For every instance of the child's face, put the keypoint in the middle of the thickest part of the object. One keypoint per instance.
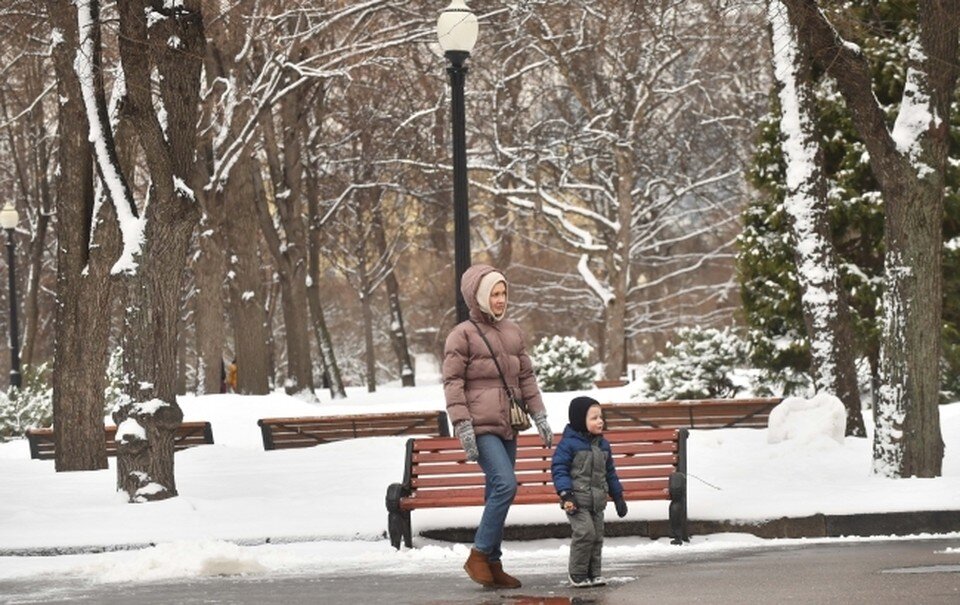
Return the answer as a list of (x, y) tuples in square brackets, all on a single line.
[(595, 420)]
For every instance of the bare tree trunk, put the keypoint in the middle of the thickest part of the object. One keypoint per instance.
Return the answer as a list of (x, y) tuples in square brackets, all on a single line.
[(83, 280), (910, 170), (366, 308), (331, 370), (209, 270), (248, 297), (38, 159), (615, 361), (146, 424), (825, 311), (398, 334), (290, 255)]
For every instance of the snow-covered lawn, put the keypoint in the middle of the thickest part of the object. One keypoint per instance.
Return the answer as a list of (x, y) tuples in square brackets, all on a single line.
[(326, 504)]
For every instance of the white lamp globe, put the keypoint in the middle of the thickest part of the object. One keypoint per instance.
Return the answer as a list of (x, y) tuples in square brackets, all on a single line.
[(9, 217), (457, 27)]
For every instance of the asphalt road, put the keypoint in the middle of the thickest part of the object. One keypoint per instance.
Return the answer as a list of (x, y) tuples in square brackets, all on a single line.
[(900, 571)]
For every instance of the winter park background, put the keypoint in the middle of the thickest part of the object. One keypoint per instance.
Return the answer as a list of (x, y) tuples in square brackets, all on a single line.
[(322, 508), (706, 197)]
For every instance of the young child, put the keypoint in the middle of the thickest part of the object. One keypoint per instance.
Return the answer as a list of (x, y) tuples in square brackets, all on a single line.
[(583, 474)]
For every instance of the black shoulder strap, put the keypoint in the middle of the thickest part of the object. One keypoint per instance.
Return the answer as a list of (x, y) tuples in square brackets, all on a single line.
[(494, 355)]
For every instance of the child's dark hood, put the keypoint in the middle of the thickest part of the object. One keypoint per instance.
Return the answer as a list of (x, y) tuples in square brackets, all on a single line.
[(579, 406)]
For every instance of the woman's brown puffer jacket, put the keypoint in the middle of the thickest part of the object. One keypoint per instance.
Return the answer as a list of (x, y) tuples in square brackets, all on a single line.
[(471, 383)]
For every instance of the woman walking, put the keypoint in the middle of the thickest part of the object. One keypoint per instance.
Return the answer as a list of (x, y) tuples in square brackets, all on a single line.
[(484, 358)]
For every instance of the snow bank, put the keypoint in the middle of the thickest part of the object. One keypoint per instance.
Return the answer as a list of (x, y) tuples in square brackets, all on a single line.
[(807, 420)]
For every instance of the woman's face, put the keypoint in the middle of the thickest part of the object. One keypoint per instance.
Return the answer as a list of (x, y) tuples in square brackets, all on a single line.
[(498, 299)]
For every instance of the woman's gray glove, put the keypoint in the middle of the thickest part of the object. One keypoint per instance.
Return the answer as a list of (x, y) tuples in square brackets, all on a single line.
[(468, 439), (543, 427)]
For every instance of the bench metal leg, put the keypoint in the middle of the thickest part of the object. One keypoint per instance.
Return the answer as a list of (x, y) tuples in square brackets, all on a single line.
[(407, 530), (398, 521), (398, 526), (395, 528), (678, 508)]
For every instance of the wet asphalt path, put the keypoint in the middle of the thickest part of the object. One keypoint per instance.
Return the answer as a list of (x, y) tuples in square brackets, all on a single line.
[(901, 571)]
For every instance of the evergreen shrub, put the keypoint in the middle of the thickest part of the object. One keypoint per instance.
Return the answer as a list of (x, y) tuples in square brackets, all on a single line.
[(29, 406), (698, 365), (562, 364)]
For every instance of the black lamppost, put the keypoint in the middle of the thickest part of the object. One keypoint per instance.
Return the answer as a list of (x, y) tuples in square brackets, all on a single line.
[(8, 221), (457, 31)]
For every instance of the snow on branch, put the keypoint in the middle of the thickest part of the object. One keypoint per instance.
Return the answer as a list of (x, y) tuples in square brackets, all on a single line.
[(101, 137), (602, 292)]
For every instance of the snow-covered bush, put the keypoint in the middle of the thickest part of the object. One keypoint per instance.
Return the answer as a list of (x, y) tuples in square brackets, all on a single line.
[(30, 406), (562, 364), (698, 365)]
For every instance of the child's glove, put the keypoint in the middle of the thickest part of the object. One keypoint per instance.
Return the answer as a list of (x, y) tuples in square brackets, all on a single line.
[(543, 427), (468, 439), (621, 505), (567, 503)]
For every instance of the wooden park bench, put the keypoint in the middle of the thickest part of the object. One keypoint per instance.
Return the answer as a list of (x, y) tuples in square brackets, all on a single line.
[(690, 413), (281, 433), (188, 434), (651, 464)]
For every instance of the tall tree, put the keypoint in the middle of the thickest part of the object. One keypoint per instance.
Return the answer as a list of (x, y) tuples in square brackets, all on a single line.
[(166, 40), (628, 155), (285, 231), (87, 246), (233, 85), (909, 162), (209, 269), (27, 139), (824, 303), (331, 369)]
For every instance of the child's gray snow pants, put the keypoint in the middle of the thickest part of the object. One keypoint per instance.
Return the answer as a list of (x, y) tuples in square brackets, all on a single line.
[(586, 543)]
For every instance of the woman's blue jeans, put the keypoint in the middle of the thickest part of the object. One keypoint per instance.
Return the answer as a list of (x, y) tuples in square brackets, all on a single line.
[(497, 459)]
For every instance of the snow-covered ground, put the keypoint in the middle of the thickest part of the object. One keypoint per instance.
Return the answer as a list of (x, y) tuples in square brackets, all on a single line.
[(323, 507)]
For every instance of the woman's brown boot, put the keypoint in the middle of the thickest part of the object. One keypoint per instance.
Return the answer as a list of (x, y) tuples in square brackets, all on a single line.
[(501, 578), (478, 568)]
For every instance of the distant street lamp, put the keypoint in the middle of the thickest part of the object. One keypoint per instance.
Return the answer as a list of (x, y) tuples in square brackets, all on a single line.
[(8, 221), (457, 31)]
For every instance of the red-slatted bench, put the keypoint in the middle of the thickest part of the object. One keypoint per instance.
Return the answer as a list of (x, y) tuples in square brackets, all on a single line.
[(651, 464), (691, 413), (188, 434)]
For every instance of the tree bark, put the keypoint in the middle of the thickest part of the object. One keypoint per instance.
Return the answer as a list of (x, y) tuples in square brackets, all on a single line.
[(825, 312), (331, 370), (290, 255), (34, 182), (173, 45), (366, 311), (615, 360), (398, 334), (907, 439), (209, 271), (235, 241), (86, 246), (248, 296)]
